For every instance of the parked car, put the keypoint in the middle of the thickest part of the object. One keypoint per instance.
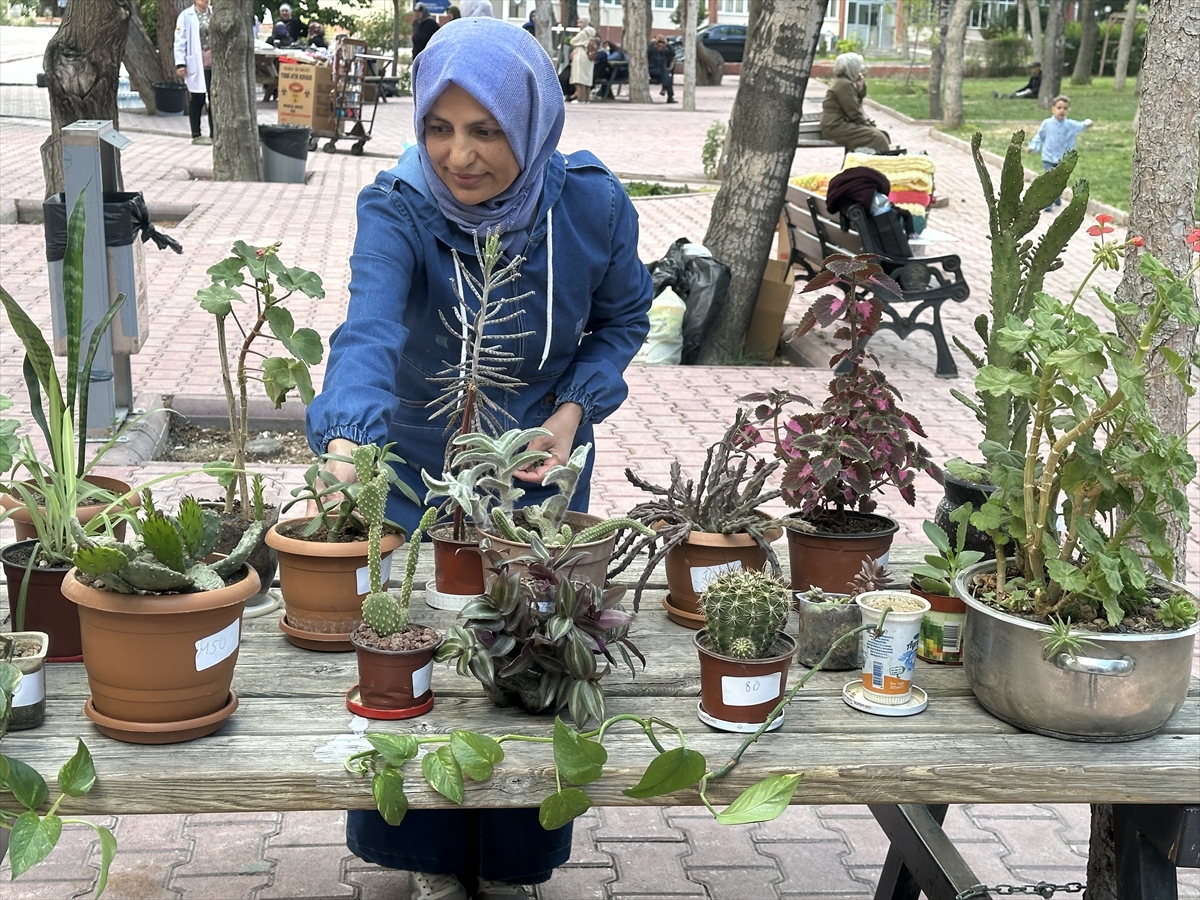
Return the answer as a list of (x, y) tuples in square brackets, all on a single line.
[(728, 40)]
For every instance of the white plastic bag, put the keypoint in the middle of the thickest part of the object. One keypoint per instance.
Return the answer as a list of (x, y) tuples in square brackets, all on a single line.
[(664, 344)]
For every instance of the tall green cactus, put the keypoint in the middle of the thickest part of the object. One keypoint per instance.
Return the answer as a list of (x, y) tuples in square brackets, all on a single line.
[(744, 610), (1019, 269), (168, 554)]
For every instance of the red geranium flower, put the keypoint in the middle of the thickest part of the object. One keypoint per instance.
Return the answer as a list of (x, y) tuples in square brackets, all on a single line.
[(1103, 227), (1138, 241), (1192, 239)]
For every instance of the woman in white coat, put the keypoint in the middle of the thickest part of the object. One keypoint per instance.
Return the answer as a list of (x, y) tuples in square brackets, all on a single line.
[(193, 63), (581, 63)]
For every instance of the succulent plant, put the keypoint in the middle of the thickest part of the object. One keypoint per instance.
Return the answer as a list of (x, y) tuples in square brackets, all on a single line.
[(937, 575), (873, 576), (1179, 611), (744, 610), (168, 554)]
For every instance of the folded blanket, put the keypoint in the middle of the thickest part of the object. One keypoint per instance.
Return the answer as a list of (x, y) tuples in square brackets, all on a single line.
[(906, 173), (817, 182)]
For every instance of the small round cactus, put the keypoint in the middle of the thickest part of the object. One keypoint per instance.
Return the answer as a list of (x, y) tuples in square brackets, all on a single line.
[(745, 609)]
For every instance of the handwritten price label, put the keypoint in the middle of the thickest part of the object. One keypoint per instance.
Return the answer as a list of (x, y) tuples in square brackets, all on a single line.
[(215, 648), (750, 691), (364, 575), (703, 576)]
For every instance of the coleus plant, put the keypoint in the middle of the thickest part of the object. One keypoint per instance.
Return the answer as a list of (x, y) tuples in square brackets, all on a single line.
[(838, 457)]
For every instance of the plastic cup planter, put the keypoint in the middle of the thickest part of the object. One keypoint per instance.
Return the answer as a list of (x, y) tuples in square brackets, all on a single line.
[(888, 658)]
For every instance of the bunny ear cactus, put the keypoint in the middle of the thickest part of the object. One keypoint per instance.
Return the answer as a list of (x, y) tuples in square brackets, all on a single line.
[(744, 609), (168, 555)]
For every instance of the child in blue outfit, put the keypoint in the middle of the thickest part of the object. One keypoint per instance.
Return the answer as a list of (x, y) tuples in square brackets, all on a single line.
[(1056, 136)]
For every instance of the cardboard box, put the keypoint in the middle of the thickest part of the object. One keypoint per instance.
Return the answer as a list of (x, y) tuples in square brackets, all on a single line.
[(306, 95), (774, 295)]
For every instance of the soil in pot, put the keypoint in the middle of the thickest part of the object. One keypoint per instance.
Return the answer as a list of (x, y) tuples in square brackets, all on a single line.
[(87, 511), (829, 559), (394, 672), (457, 565), (46, 609), (742, 690), (233, 525), (820, 625)]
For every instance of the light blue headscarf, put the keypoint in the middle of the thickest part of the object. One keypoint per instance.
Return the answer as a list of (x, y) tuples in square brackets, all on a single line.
[(506, 70)]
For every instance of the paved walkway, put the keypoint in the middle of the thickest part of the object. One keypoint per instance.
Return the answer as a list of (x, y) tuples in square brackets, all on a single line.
[(811, 853)]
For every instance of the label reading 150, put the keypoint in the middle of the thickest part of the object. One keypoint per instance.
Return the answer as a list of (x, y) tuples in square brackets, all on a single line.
[(216, 647), (750, 691)]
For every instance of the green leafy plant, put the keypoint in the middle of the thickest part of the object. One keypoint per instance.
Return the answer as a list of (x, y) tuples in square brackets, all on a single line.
[(8, 436), (1060, 639), (1084, 501), (724, 500), (536, 637), (35, 835), (744, 610), (1178, 612), (940, 569), (272, 284), (168, 555), (714, 145)]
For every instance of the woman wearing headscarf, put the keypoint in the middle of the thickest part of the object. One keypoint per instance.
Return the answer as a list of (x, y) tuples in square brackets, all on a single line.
[(488, 113), (581, 62), (842, 117)]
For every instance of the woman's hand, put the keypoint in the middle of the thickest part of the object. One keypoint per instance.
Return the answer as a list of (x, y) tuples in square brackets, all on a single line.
[(342, 471), (562, 426)]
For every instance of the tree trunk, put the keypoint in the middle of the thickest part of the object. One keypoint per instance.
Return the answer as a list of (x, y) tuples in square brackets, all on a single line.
[(710, 65), (168, 12), (1035, 32), (636, 41), (396, 38), (763, 131), (543, 26), (82, 63), (1052, 56), (952, 66), (687, 10), (1162, 195), (594, 14), (1082, 73), (142, 62), (236, 154), (1125, 47), (937, 58), (1102, 857), (1020, 19)]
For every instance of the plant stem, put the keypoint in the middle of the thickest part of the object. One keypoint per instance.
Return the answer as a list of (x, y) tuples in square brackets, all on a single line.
[(223, 351)]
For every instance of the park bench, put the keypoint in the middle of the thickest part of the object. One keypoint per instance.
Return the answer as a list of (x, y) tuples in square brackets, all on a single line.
[(810, 132), (927, 281)]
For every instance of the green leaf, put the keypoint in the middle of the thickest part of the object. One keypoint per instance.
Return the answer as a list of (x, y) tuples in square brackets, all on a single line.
[(305, 345), (443, 773), (761, 802), (281, 323), (1079, 362), (1066, 575), (108, 850), (32, 839), (937, 536), (25, 783), (388, 788), (297, 279), (476, 754), (277, 379), (668, 772), (217, 299), (394, 748), (78, 774), (563, 807), (579, 760), (228, 272), (1000, 382)]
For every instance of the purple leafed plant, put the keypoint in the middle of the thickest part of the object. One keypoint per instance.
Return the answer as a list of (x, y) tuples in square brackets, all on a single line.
[(836, 458)]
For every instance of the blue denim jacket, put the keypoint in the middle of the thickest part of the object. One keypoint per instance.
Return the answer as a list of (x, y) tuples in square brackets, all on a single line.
[(377, 384)]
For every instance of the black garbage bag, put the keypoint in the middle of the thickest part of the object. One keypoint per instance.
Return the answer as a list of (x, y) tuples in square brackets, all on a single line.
[(669, 271), (708, 285), (125, 217)]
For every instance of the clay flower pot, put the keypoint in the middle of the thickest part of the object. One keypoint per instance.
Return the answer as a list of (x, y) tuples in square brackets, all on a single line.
[(697, 561), (392, 684), (737, 694), (323, 586), (594, 557), (24, 522), (457, 568), (159, 666), (46, 608), (830, 561)]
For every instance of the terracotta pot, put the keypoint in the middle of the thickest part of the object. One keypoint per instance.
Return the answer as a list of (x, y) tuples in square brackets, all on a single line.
[(46, 609), (457, 565), (394, 679), (941, 628), (323, 584), (956, 492), (592, 567), (820, 625), (690, 566), (160, 660), (830, 561), (24, 522), (29, 701), (742, 690)]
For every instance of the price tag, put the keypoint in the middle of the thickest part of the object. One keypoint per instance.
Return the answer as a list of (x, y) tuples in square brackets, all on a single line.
[(421, 679), (222, 645), (750, 691), (364, 575), (31, 689), (703, 576)]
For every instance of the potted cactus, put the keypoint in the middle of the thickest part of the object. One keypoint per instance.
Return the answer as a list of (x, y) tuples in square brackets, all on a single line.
[(160, 619), (395, 656), (744, 653)]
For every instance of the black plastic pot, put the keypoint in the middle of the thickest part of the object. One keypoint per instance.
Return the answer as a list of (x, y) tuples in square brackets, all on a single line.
[(958, 492), (170, 97)]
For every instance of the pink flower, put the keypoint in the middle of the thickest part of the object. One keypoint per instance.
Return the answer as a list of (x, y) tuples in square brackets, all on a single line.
[(1138, 241), (1192, 239)]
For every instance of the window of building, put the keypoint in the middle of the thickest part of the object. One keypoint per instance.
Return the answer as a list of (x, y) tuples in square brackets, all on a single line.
[(991, 13)]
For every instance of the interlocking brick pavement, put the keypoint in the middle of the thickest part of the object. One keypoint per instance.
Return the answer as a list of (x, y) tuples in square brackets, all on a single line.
[(809, 853)]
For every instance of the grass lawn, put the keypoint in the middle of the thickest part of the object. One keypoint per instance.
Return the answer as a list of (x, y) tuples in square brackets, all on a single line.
[(1105, 149)]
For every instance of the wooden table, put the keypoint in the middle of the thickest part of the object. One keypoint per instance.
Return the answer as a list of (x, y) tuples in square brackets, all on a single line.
[(284, 746)]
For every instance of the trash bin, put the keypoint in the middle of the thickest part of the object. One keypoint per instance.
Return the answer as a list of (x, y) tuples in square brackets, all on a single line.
[(170, 97), (285, 152)]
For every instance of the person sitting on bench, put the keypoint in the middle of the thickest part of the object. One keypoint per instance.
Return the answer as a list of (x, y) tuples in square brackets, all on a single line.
[(1031, 88), (842, 117)]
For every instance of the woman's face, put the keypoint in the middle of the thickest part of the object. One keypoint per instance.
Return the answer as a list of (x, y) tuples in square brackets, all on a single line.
[(468, 150)]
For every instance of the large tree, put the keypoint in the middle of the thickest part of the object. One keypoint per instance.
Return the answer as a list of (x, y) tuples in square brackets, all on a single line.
[(543, 25), (1162, 197), (142, 62), (762, 142), (1052, 53), (636, 40), (236, 154), (1125, 46), (937, 56), (1082, 74), (1035, 31), (686, 10), (952, 66), (82, 62), (168, 12)]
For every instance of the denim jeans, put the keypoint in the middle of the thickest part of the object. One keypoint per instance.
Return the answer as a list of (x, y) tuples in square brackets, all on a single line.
[(495, 844)]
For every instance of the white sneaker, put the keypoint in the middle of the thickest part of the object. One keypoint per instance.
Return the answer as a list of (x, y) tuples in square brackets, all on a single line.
[(500, 890), (436, 887)]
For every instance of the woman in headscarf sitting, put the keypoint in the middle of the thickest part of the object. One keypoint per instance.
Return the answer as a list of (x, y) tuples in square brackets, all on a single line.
[(842, 117), (488, 113)]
